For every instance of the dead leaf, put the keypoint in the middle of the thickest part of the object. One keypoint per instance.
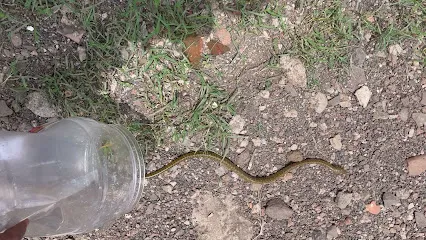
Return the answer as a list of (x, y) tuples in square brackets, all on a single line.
[(194, 47), (217, 48), (373, 208), (224, 36)]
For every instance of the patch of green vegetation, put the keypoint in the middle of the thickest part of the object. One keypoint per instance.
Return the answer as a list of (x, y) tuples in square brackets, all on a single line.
[(313, 82), (2, 15), (258, 14), (141, 20), (78, 94), (325, 36), (208, 115), (165, 77), (410, 23), (120, 41)]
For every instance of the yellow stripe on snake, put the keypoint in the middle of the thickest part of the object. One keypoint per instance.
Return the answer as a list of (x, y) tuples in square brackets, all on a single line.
[(226, 162)]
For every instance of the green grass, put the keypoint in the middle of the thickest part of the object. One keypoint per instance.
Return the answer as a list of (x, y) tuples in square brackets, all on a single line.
[(164, 78), (78, 93), (257, 15), (207, 115), (81, 89), (410, 25), (325, 37)]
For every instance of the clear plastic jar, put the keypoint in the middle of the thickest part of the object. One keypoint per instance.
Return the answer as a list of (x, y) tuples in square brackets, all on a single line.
[(71, 177)]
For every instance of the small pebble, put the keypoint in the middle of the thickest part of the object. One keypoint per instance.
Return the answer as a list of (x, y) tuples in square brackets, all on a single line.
[(416, 165), (420, 219), (290, 114), (237, 124), (363, 96), (390, 199), (278, 209), (333, 232), (264, 94), (294, 156), (168, 189), (320, 102), (244, 143), (16, 39), (343, 199), (336, 142)]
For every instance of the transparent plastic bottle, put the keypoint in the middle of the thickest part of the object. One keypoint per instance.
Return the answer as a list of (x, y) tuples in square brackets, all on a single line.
[(70, 177)]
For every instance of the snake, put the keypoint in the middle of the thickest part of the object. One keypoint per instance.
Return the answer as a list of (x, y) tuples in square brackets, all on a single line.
[(227, 163)]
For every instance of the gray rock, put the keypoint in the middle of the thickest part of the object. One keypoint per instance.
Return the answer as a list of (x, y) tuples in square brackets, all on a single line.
[(336, 142), (419, 118), (25, 53), (290, 90), (4, 109), (16, 39), (420, 219), (40, 106), (404, 114), (416, 165), (278, 209), (237, 124), (82, 55), (167, 188), (390, 199), (150, 209), (221, 171), (380, 115), (320, 102), (153, 197), (318, 235), (363, 95), (295, 156), (243, 158), (343, 199), (333, 232), (406, 102), (358, 57), (357, 78), (334, 101)]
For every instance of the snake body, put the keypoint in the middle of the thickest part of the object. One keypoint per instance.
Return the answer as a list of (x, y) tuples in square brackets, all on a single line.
[(226, 162)]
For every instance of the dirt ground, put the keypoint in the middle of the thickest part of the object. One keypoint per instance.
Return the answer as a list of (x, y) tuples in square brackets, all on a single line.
[(366, 113)]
